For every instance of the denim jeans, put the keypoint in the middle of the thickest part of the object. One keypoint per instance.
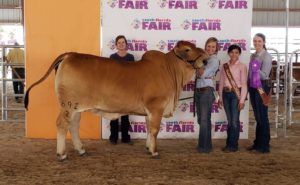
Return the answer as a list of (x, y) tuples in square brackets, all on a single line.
[(204, 101), (18, 86), (230, 102), (262, 134)]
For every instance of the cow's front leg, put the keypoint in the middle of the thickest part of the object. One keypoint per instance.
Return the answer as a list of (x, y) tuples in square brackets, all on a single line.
[(148, 134), (74, 130), (62, 128), (154, 126)]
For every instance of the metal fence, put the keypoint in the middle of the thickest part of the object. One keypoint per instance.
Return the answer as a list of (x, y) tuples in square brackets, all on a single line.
[(8, 106)]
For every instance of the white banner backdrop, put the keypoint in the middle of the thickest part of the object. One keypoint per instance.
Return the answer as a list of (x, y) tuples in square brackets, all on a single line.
[(158, 25)]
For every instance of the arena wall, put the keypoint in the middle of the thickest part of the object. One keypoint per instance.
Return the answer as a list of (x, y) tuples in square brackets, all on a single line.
[(53, 27)]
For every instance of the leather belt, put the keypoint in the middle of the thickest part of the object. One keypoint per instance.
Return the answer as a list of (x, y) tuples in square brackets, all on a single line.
[(202, 89), (229, 89)]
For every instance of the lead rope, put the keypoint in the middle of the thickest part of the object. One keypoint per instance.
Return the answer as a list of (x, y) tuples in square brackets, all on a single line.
[(194, 98)]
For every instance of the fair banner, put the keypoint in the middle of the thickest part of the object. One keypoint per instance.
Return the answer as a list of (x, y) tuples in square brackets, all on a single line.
[(159, 25)]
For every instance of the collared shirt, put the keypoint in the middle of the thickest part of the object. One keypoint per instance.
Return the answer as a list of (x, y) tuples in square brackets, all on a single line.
[(206, 79), (266, 65), (239, 74)]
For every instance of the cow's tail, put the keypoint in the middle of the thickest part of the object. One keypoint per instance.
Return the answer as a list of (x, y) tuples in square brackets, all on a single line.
[(54, 65)]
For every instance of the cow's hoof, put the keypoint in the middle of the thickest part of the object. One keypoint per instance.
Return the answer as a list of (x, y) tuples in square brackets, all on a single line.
[(83, 154), (155, 156), (62, 158)]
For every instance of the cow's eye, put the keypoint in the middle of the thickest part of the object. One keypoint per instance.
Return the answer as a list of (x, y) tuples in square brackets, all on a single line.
[(187, 50)]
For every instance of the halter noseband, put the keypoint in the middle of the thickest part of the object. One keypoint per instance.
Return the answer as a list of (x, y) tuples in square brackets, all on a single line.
[(191, 62)]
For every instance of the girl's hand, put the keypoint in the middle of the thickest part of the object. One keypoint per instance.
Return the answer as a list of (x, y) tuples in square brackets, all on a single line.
[(220, 104), (241, 106)]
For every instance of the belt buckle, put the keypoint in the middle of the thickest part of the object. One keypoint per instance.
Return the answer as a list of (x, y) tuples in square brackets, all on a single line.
[(227, 89)]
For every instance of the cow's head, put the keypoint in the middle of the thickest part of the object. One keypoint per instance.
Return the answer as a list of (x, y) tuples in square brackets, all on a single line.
[(188, 52)]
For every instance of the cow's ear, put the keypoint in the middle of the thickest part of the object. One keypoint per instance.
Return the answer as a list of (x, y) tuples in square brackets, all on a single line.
[(179, 43), (180, 52)]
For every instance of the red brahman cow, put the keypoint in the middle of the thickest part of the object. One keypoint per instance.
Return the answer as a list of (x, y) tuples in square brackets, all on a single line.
[(149, 87)]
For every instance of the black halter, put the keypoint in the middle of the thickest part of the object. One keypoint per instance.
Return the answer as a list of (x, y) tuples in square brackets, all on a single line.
[(191, 62)]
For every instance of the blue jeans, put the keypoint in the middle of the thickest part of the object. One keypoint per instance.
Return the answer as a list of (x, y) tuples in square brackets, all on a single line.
[(230, 102), (18, 86), (262, 134), (204, 101)]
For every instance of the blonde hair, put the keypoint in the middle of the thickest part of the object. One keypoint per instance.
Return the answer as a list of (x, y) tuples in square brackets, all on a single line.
[(213, 39)]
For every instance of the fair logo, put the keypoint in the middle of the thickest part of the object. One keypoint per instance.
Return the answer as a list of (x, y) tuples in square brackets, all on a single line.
[(221, 126), (112, 3), (206, 24), (152, 24), (111, 44), (212, 3), (128, 4), (161, 45), (228, 4), (137, 45), (162, 3), (180, 126), (136, 24), (184, 106), (172, 43), (137, 127), (190, 86), (186, 24), (179, 4), (225, 43)]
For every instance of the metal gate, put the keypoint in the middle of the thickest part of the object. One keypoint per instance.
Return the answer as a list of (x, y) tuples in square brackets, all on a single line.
[(10, 110)]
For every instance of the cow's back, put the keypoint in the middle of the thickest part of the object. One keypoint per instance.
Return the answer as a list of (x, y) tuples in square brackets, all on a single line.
[(106, 84)]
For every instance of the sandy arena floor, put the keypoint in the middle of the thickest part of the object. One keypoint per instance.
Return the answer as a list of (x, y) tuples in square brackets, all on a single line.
[(33, 161)]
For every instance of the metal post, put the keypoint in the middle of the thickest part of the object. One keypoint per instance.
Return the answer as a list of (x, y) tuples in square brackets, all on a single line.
[(286, 72), (291, 96), (3, 97), (277, 89)]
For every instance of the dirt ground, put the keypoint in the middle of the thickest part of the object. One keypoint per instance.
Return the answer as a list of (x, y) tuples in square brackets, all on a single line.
[(33, 161)]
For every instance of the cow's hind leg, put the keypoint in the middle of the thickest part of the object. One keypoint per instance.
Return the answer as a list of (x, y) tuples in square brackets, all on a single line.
[(62, 129), (154, 119), (74, 130)]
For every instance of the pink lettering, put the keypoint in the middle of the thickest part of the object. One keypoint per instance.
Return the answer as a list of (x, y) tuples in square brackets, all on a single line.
[(133, 5), (238, 4), (137, 128), (156, 25), (182, 4), (206, 26)]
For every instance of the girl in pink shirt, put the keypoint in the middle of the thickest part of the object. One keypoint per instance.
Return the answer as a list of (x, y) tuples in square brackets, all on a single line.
[(233, 92)]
